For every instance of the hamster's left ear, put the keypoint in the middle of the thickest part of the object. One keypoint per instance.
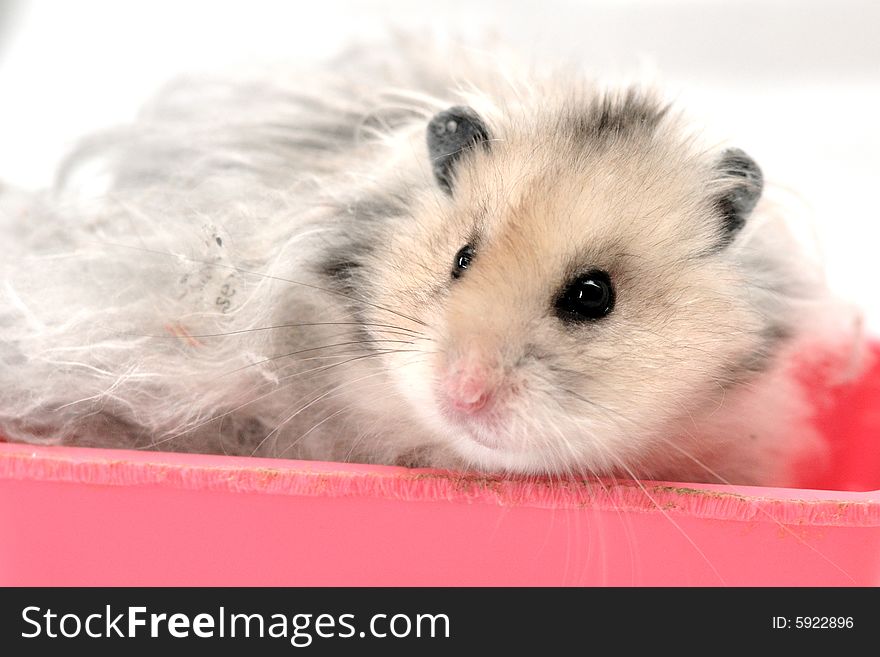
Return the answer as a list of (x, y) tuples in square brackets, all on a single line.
[(451, 134), (746, 184)]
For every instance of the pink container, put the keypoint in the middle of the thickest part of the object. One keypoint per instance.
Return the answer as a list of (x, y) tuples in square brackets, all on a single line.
[(100, 517)]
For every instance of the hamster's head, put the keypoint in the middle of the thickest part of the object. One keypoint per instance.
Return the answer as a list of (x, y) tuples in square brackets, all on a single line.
[(569, 271)]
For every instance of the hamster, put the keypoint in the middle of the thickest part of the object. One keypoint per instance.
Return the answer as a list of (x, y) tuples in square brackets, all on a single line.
[(412, 259)]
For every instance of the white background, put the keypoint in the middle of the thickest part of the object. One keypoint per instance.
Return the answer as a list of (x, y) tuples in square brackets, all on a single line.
[(795, 83)]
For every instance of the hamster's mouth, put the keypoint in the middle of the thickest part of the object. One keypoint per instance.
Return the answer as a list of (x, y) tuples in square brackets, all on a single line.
[(490, 442), (483, 428), (490, 433)]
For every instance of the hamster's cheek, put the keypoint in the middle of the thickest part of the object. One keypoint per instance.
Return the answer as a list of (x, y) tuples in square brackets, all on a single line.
[(414, 376)]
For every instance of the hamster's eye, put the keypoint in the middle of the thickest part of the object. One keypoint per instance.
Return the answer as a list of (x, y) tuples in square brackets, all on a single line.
[(462, 260), (588, 296)]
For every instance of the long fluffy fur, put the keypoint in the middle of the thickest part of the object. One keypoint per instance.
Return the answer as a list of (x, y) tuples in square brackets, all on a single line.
[(254, 267)]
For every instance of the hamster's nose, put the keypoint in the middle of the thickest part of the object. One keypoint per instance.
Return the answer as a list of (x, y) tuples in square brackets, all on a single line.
[(469, 387)]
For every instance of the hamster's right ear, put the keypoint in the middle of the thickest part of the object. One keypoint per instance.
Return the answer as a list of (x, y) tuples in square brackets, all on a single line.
[(451, 133), (745, 184)]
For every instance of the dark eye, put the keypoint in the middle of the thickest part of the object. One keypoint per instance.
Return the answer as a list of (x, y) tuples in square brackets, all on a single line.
[(586, 297), (462, 260)]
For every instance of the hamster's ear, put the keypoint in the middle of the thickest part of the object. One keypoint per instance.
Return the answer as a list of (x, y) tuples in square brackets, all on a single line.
[(746, 182), (452, 133)]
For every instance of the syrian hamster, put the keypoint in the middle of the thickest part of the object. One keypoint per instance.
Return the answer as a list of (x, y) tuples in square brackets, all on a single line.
[(413, 258)]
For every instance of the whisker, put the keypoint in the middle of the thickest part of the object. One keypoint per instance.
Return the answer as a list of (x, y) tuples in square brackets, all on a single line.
[(250, 272), (362, 437), (310, 349), (719, 478), (758, 508), (326, 419), (660, 508), (323, 368), (274, 327), (309, 404)]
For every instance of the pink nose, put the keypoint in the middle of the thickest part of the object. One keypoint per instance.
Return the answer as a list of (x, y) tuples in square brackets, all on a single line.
[(469, 388)]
